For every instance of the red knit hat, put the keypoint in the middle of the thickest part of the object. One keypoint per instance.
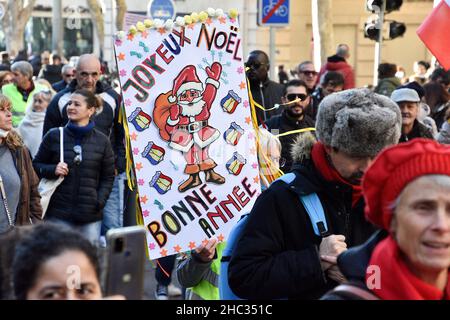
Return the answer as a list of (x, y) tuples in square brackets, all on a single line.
[(394, 168)]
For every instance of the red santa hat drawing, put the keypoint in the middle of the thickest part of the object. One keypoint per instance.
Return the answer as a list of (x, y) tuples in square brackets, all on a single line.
[(186, 80)]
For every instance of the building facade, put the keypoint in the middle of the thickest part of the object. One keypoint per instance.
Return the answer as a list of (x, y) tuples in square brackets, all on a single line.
[(293, 43)]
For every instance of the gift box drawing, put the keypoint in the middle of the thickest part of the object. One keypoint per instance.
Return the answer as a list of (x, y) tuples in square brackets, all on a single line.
[(153, 153), (140, 119), (230, 102), (235, 164), (233, 134), (161, 182)]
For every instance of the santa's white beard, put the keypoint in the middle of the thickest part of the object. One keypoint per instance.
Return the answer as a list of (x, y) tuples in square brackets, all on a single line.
[(192, 110)]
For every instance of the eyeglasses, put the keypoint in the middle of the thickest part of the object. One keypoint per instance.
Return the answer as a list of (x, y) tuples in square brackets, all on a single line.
[(255, 65), (78, 157), (294, 96), (281, 161), (85, 74), (72, 75), (309, 73)]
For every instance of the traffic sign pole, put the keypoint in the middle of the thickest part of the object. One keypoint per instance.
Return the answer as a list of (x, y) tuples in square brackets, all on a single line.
[(378, 44), (272, 54)]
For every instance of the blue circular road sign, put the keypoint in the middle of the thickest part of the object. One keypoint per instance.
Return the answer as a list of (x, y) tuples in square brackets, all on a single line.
[(161, 9)]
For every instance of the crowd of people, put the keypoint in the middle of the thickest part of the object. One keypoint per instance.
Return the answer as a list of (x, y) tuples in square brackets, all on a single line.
[(373, 162)]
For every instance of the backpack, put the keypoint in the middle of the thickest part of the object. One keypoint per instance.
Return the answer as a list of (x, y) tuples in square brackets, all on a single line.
[(313, 207)]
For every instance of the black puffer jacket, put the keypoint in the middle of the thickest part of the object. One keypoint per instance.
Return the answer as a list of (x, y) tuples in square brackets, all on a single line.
[(51, 73), (106, 122), (277, 255), (82, 195)]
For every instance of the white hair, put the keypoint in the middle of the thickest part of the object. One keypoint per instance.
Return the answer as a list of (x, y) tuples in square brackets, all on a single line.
[(24, 68)]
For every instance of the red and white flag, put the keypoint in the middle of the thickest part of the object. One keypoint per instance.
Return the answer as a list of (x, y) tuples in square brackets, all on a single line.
[(435, 33)]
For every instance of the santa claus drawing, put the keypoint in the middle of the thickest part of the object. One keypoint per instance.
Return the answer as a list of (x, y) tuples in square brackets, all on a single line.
[(182, 118)]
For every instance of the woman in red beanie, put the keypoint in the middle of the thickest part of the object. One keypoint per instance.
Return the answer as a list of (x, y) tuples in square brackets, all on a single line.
[(407, 193)]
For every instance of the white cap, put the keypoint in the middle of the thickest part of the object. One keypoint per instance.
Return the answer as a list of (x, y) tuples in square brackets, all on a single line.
[(405, 94)]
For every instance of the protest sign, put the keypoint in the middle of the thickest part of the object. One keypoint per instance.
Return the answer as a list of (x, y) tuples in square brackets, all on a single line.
[(188, 116)]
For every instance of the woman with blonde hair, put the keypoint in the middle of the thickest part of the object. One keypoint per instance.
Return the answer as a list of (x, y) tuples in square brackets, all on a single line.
[(20, 200), (269, 157), (6, 77)]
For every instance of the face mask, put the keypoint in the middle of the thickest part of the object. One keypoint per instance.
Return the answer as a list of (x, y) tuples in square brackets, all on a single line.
[(3, 133), (400, 74)]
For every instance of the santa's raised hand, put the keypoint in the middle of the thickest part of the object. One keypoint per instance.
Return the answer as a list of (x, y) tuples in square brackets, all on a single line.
[(214, 71)]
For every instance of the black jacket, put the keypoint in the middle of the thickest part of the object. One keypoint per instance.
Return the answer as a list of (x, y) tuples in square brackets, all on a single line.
[(284, 123), (267, 95), (419, 130), (59, 86), (353, 264), (439, 114), (82, 195), (106, 122), (51, 73), (277, 255), (316, 98)]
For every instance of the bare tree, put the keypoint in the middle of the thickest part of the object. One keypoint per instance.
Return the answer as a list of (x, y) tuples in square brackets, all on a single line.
[(326, 29), (121, 10), (97, 19), (16, 17)]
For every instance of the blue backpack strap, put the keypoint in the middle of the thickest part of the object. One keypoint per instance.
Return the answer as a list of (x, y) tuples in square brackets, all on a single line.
[(314, 207), (287, 178), (225, 291)]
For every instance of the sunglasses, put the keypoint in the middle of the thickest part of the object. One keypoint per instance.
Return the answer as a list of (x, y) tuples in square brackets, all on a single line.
[(78, 157), (309, 73), (294, 96)]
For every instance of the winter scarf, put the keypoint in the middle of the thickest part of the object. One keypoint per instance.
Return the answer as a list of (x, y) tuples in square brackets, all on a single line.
[(397, 282), (329, 173), (80, 132), (30, 129)]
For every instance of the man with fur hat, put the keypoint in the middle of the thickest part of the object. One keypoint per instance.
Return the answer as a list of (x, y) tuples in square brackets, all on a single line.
[(182, 116), (279, 252), (408, 100)]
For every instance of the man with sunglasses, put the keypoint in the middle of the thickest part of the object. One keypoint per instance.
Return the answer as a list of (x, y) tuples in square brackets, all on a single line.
[(295, 99), (87, 74), (265, 92), (308, 74), (67, 73)]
